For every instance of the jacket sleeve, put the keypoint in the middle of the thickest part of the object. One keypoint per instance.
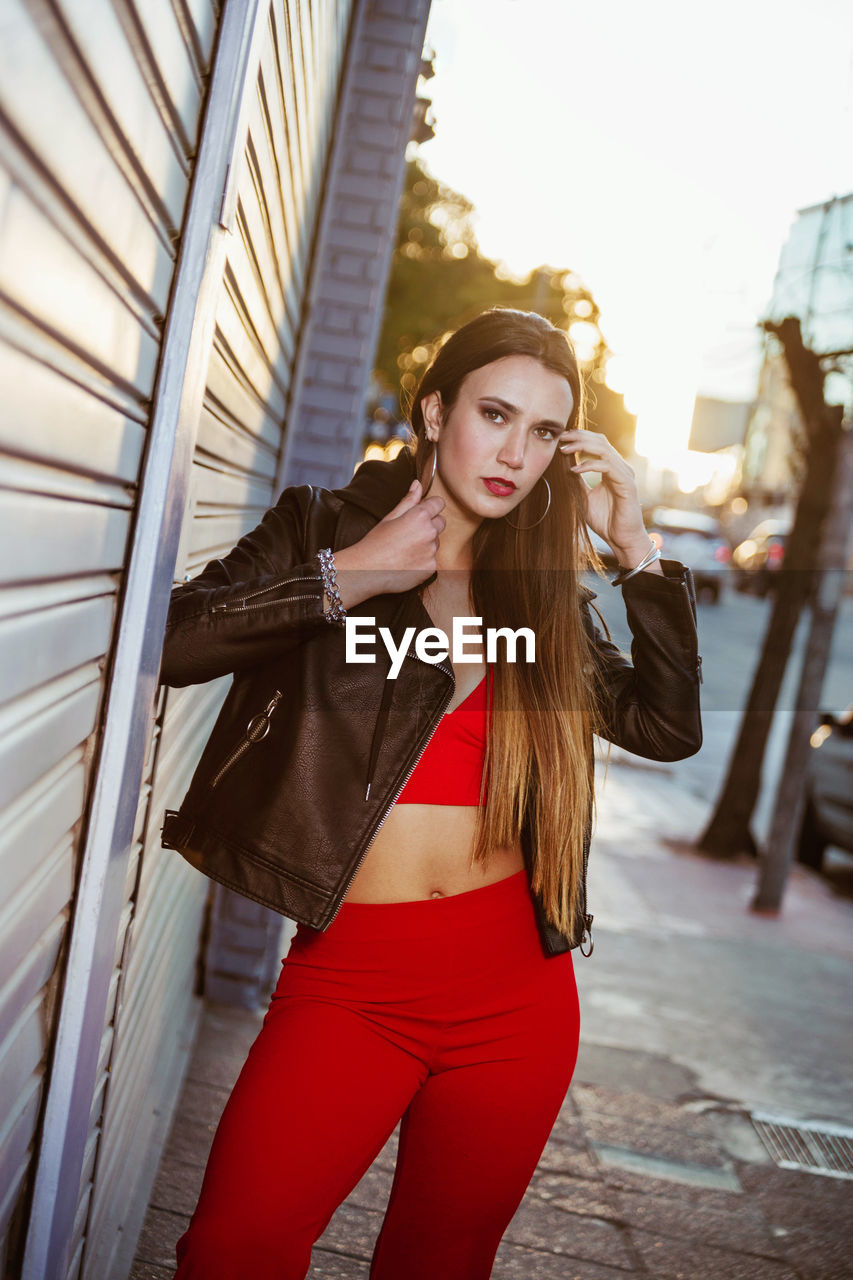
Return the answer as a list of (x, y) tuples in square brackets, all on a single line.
[(651, 701), (248, 607)]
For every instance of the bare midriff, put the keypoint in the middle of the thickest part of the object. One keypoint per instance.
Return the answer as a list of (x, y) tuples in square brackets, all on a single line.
[(424, 850)]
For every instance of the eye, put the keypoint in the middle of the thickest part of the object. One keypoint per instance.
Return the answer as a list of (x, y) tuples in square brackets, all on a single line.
[(496, 412), (549, 435)]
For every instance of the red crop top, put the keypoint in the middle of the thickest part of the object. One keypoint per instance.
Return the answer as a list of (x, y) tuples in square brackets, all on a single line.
[(450, 770)]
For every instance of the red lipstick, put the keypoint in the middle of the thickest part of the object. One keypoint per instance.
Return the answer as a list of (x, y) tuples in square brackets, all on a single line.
[(500, 488)]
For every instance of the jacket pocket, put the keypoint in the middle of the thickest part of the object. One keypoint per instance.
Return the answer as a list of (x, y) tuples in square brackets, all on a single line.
[(256, 730)]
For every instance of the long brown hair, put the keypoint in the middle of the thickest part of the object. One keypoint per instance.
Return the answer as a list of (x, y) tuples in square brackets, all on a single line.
[(539, 760)]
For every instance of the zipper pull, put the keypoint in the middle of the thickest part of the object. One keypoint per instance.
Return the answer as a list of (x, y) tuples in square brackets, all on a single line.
[(587, 935), (699, 668), (259, 726)]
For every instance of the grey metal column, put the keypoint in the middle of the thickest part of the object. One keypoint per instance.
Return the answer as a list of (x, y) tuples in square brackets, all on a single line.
[(177, 404), (355, 243)]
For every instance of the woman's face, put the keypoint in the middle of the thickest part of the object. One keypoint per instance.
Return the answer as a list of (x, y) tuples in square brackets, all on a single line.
[(500, 435)]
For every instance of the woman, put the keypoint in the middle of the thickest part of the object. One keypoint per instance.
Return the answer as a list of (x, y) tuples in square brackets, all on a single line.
[(425, 818)]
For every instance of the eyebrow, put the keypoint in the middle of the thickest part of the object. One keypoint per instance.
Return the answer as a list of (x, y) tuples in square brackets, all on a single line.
[(513, 408)]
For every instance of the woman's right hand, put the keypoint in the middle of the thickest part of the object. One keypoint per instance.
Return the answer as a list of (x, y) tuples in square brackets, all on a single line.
[(397, 554)]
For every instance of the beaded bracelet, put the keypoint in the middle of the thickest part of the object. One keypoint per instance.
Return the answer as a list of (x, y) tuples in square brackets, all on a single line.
[(651, 555), (337, 612)]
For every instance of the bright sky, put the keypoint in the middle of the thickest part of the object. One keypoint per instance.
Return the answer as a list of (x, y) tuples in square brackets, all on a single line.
[(660, 150)]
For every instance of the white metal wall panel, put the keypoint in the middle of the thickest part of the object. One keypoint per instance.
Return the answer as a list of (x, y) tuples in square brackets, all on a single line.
[(260, 304), (238, 447), (99, 112)]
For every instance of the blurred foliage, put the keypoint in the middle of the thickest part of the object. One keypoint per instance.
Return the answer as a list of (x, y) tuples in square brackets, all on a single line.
[(439, 279)]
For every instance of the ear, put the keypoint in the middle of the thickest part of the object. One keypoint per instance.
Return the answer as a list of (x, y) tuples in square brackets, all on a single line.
[(431, 409)]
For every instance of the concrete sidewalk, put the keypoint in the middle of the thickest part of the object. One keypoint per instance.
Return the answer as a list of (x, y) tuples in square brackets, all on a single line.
[(694, 1014)]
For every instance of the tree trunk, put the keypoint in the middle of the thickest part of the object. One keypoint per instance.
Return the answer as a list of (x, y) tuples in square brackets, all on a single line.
[(728, 832), (791, 795)]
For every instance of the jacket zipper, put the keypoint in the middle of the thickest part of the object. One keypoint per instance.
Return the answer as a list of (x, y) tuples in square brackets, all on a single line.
[(694, 621), (256, 730), (240, 602), (375, 831), (587, 919)]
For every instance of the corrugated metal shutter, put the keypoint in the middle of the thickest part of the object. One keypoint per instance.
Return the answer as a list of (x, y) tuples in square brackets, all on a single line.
[(239, 441), (99, 112)]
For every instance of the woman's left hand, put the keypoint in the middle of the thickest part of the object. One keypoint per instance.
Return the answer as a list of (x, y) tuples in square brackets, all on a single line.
[(612, 507)]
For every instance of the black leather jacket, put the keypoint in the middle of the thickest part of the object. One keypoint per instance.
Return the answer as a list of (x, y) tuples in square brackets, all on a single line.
[(309, 752)]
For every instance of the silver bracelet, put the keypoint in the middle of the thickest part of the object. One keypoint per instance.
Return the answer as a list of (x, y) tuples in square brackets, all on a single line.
[(624, 574), (337, 612)]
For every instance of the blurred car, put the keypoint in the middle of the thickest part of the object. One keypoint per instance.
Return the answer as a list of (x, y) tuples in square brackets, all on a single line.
[(696, 540), (690, 537), (828, 817), (759, 557)]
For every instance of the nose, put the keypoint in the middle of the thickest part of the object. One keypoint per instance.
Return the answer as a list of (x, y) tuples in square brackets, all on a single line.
[(511, 453)]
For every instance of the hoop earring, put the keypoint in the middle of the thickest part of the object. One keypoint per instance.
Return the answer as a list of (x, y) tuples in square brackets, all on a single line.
[(434, 444), (522, 527)]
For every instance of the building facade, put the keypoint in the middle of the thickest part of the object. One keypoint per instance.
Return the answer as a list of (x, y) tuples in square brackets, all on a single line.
[(814, 281), (197, 208)]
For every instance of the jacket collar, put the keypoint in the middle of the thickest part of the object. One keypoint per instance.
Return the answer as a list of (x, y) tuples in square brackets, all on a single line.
[(378, 485)]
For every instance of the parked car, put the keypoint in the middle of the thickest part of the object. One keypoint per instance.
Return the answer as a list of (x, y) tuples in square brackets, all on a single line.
[(697, 540), (828, 818), (759, 557)]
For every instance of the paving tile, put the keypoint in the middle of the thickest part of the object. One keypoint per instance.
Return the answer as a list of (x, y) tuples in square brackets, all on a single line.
[(177, 1186), (717, 1199), (569, 1109), (335, 1266), (387, 1158), (666, 1258), (352, 1231), (189, 1141), (593, 1099), (574, 1195), (569, 1130), (650, 1075), (820, 1258), (160, 1233), (769, 1182), (560, 1158), (374, 1188), (146, 1271), (515, 1262), (224, 1040), (545, 1227), (662, 1168), (809, 1217), (620, 1177), (202, 1101), (654, 1139), (709, 1217)]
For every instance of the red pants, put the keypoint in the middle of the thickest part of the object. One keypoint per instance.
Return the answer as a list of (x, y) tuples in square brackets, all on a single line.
[(445, 1012)]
